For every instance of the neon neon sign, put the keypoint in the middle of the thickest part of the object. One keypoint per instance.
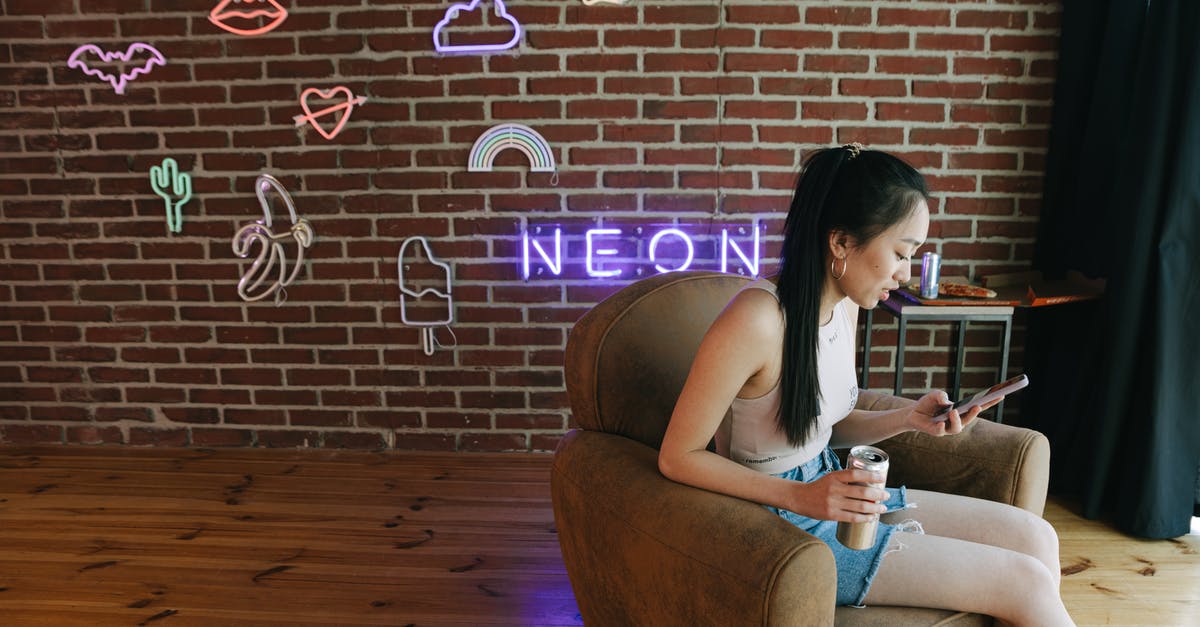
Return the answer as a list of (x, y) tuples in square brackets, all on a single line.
[(612, 252)]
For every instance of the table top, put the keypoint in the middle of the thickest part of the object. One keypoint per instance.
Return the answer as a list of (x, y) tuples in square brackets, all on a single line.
[(898, 304)]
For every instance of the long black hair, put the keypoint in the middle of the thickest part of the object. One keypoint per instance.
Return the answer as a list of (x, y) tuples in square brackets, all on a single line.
[(861, 193)]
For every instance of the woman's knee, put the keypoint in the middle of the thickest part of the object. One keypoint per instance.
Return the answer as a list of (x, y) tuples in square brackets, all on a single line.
[(1038, 592), (1041, 539)]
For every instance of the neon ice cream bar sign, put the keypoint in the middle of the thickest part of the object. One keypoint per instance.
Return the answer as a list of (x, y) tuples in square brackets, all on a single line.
[(630, 252)]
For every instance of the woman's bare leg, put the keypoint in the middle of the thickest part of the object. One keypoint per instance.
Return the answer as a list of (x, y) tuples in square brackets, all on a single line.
[(985, 522), (934, 571)]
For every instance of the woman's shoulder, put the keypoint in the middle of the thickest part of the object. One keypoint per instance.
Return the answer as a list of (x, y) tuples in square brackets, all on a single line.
[(757, 310)]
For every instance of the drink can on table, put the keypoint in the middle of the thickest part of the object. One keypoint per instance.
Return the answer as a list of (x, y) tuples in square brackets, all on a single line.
[(861, 536), (931, 273)]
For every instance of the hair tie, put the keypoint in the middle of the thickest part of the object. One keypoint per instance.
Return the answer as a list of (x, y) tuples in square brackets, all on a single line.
[(854, 148)]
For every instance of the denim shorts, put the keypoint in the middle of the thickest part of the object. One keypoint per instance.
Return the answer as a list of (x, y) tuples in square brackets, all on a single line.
[(855, 569)]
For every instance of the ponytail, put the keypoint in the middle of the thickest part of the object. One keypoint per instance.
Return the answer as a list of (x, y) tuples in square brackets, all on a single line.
[(860, 192)]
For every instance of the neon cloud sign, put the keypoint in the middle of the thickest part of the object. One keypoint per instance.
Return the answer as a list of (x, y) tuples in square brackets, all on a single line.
[(504, 136), (613, 252), (501, 11), (87, 55), (330, 94), (263, 17)]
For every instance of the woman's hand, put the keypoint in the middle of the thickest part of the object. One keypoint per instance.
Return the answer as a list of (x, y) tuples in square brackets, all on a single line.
[(838, 496), (921, 416)]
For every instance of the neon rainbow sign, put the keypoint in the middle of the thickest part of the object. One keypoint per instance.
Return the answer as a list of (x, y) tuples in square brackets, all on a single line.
[(504, 136), (612, 252)]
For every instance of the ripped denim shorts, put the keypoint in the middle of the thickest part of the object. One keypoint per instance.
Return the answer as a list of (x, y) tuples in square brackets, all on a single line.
[(855, 569)]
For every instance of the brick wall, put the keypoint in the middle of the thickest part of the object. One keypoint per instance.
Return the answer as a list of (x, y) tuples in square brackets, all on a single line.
[(113, 330)]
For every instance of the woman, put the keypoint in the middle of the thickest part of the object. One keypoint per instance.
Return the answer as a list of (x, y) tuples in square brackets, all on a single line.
[(780, 360)]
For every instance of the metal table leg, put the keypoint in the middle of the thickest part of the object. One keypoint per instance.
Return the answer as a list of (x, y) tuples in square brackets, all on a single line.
[(959, 357), (900, 356), (866, 363), (1004, 365)]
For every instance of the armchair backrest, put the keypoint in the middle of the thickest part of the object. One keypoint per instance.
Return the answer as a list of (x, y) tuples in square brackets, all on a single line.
[(627, 359)]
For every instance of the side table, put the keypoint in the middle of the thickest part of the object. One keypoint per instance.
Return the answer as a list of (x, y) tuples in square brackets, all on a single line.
[(905, 311)]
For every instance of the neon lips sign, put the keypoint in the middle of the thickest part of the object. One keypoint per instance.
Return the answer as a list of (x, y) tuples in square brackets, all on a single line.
[(248, 17), (549, 251)]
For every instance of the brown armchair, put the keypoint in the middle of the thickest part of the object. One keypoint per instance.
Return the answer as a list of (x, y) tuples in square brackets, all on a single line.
[(641, 549)]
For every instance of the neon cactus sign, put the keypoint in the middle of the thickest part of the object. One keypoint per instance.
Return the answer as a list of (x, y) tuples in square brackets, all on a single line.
[(613, 252)]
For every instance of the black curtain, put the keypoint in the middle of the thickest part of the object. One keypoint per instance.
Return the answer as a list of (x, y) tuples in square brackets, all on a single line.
[(1118, 380)]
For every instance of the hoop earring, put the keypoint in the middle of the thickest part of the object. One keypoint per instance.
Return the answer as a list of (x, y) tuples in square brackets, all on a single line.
[(833, 268)]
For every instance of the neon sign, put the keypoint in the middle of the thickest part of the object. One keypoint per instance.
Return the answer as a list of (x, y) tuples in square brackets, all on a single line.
[(451, 15), (343, 107), (137, 59), (612, 252), (516, 136), (248, 17)]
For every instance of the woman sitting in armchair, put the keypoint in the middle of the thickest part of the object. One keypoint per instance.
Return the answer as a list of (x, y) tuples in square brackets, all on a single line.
[(773, 384)]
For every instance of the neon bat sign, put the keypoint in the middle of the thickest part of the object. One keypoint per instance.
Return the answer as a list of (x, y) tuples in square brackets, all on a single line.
[(612, 252), (140, 58)]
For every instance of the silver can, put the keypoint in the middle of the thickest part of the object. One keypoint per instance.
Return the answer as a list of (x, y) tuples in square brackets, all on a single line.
[(931, 273), (860, 536)]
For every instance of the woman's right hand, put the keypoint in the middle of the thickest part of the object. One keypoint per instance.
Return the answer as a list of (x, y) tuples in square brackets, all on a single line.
[(838, 497)]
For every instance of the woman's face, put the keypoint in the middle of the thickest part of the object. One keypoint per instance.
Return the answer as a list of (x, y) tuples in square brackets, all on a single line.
[(885, 262)]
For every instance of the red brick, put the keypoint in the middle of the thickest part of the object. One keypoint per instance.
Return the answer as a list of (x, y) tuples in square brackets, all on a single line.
[(796, 39), (911, 65), (913, 17), (641, 85), (856, 16), (837, 63), (681, 14), (988, 66), (872, 87), (871, 40), (760, 110), (990, 19), (912, 111), (823, 110), (760, 62), (944, 41)]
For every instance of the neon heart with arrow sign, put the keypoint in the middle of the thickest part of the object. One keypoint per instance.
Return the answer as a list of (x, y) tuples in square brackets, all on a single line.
[(328, 94)]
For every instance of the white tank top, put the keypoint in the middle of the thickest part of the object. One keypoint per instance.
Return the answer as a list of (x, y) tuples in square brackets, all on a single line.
[(750, 434)]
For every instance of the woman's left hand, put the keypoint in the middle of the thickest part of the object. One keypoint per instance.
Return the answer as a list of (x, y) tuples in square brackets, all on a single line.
[(921, 416)]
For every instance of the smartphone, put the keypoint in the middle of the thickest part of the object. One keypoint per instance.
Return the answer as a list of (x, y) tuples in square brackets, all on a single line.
[(996, 391)]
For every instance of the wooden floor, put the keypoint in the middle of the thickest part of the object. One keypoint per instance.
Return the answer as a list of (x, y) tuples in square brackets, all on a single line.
[(120, 536)]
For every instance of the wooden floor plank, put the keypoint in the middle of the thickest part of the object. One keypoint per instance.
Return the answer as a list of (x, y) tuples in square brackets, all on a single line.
[(127, 536)]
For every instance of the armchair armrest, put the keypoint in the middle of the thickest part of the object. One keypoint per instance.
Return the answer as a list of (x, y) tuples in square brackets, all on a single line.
[(990, 461), (641, 549)]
